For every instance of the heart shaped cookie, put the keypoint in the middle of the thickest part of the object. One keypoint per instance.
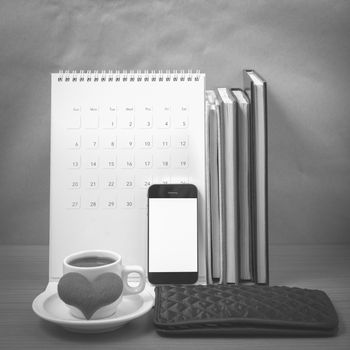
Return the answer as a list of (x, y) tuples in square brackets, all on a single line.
[(76, 290)]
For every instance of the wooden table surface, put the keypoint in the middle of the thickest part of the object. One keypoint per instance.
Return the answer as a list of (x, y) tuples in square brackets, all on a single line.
[(24, 274)]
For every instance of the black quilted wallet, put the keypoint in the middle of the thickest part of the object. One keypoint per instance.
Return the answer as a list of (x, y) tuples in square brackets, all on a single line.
[(243, 310)]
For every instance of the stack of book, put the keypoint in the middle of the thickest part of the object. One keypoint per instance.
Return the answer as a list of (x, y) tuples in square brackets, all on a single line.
[(237, 208)]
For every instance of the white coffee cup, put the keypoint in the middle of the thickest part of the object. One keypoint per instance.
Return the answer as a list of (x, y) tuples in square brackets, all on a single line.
[(92, 272)]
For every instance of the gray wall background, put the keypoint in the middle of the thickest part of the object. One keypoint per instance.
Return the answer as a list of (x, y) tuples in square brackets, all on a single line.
[(301, 48)]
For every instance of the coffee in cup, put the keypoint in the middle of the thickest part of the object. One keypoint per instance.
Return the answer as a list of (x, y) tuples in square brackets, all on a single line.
[(91, 261)]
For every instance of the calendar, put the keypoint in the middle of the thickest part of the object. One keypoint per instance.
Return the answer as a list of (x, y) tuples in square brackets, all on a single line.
[(112, 136)]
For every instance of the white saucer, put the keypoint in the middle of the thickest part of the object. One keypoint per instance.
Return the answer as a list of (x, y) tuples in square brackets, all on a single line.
[(50, 307)]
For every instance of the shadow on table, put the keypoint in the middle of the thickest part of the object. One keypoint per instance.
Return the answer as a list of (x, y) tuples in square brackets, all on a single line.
[(135, 329)]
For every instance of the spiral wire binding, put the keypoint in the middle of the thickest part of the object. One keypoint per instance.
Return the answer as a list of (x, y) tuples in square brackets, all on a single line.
[(129, 76)]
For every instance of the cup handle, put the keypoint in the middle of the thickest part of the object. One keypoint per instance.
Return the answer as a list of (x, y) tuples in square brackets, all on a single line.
[(127, 289)]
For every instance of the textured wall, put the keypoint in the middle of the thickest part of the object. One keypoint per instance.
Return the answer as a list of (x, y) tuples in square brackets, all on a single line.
[(301, 48)]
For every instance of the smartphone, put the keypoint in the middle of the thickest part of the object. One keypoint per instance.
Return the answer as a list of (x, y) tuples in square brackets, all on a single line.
[(172, 234)]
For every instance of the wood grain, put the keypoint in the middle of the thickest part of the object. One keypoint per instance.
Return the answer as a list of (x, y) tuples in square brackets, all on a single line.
[(24, 274)]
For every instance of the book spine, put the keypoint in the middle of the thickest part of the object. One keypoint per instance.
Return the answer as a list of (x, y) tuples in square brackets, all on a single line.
[(233, 253), (209, 232), (221, 195), (244, 184), (230, 236), (259, 182), (264, 277)]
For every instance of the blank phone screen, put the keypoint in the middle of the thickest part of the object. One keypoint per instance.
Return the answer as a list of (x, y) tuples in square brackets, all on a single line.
[(172, 235)]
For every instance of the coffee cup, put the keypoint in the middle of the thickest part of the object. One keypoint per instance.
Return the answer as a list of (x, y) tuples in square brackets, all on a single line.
[(93, 263)]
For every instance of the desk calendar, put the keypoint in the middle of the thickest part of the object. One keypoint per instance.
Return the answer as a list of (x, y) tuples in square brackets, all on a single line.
[(112, 136)]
